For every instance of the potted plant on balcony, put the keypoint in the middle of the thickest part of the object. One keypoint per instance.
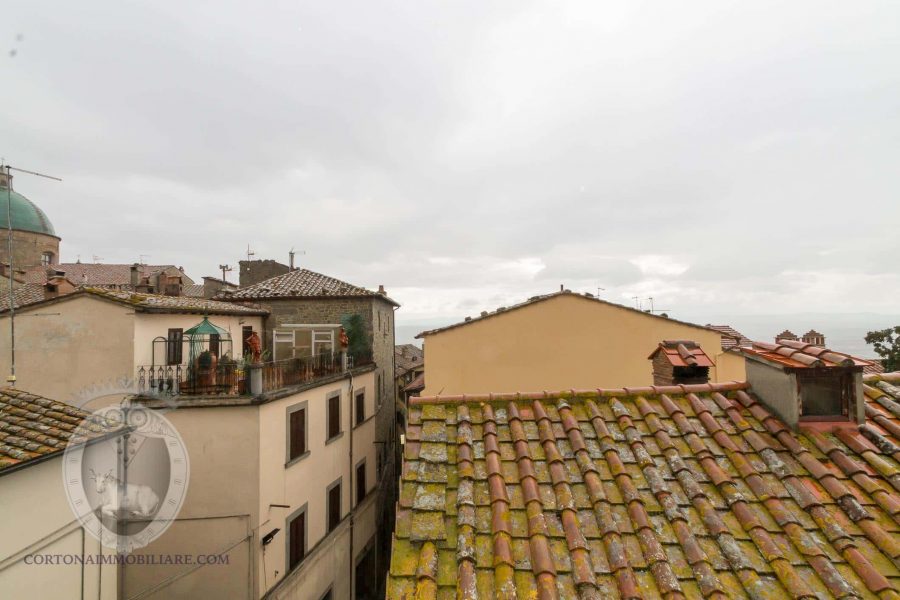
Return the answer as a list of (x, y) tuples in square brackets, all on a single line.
[(206, 368)]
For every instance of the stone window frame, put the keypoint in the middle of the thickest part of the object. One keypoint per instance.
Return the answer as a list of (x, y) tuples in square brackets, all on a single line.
[(339, 482), (287, 536), (304, 406), (339, 394)]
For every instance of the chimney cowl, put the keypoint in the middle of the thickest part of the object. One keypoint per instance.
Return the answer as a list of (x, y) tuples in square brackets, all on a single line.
[(381, 290)]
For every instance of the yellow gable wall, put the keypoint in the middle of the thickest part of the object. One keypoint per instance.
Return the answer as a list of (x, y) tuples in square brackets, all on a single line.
[(567, 341)]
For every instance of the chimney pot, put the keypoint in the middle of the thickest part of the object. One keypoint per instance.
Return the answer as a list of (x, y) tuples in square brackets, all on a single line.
[(381, 290)]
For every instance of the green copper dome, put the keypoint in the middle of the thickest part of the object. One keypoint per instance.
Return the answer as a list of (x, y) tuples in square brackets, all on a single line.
[(26, 216)]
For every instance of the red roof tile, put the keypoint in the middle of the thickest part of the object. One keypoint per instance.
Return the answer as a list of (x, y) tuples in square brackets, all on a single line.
[(731, 337), (667, 491), (794, 354), (683, 353), (100, 274), (32, 427)]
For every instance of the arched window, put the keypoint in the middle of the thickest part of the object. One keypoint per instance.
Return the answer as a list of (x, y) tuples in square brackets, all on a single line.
[(47, 259)]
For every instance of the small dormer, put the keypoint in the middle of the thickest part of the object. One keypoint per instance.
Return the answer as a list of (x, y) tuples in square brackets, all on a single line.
[(806, 384), (680, 361)]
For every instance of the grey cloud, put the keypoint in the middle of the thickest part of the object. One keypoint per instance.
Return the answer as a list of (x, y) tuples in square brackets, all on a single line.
[(747, 140)]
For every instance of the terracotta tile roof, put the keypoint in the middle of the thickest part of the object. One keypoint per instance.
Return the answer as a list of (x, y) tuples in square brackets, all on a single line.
[(100, 274), (32, 427), (731, 337), (27, 293), (406, 358), (683, 353), (873, 368), (303, 283), (883, 411), (542, 298), (791, 353), (416, 385), (668, 492), (194, 290), (159, 303)]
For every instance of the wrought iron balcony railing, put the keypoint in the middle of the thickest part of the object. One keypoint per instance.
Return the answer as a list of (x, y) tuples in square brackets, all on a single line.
[(233, 379)]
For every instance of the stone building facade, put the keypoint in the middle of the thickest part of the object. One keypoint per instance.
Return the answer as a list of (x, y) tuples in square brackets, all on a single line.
[(251, 272), (302, 298)]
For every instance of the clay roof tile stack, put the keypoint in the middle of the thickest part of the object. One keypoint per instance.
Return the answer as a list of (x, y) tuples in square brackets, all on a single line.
[(660, 492)]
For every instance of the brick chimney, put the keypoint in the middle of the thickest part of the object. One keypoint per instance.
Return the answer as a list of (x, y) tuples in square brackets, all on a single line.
[(787, 334), (804, 383), (814, 338), (679, 361), (135, 275)]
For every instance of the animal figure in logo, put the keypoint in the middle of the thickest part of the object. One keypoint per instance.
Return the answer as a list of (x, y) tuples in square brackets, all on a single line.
[(140, 500)]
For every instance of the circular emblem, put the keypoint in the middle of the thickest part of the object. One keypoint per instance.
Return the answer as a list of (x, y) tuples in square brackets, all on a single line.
[(125, 470)]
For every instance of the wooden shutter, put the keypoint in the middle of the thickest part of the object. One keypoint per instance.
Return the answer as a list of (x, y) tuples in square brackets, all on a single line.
[(173, 346), (334, 507), (360, 407), (298, 539), (360, 482), (334, 416), (298, 433)]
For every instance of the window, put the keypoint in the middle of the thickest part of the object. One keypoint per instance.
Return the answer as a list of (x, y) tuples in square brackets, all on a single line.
[(297, 422), (322, 341), (825, 394), (283, 345), (379, 462), (214, 344), (246, 330), (174, 346), (361, 482), (301, 341), (297, 538), (334, 416), (360, 407), (378, 390), (365, 573), (334, 505), (47, 259)]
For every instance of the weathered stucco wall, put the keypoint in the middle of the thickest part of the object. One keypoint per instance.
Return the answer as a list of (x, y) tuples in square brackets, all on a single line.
[(564, 342), (306, 481), (41, 522), (219, 511), (65, 347)]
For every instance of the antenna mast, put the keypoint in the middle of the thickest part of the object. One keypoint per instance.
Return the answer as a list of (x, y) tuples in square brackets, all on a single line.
[(11, 378)]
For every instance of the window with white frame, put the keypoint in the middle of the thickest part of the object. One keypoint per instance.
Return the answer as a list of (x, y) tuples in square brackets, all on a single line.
[(302, 341)]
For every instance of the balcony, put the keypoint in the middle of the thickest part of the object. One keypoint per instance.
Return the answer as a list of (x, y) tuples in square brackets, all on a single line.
[(233, 379)]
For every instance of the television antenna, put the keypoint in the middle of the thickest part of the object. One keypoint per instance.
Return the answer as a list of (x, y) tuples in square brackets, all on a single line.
[(11, 378), (250, 253), (291, 254), (225, 269), (653, 310)]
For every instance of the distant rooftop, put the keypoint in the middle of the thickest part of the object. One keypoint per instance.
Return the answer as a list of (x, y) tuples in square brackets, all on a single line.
[(544, 297), (303, 283)]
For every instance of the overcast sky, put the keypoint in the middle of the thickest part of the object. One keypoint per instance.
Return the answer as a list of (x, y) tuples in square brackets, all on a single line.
[(724, 158)]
